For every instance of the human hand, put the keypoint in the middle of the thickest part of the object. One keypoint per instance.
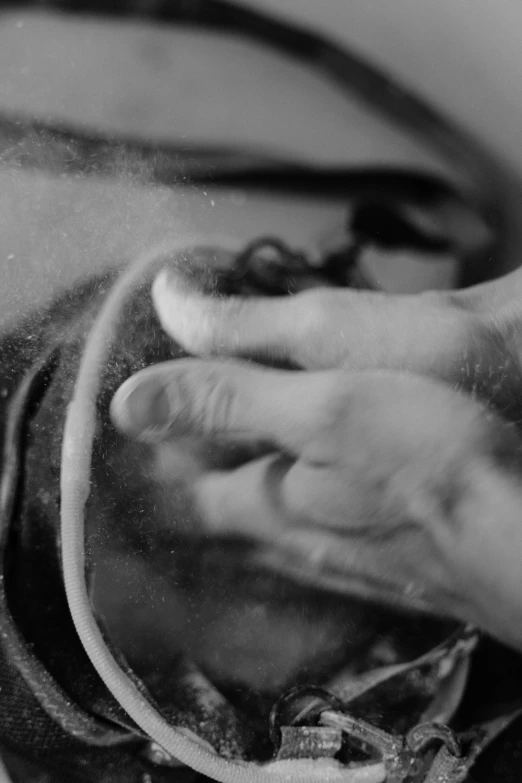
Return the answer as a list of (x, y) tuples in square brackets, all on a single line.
[(380, 483)]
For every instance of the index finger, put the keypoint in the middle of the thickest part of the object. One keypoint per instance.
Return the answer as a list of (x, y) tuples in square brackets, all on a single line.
[(318, 328)]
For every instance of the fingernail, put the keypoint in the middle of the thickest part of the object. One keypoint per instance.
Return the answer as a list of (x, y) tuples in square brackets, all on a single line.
[(142, 409)]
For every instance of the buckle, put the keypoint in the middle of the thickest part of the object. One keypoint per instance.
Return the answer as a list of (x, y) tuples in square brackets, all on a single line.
[(315, 723)]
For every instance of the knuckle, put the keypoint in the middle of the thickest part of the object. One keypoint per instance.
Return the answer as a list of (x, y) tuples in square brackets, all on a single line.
[(299, 499), (335, 401), (321, 326), (315, 306), (216, 401), (330, 408), (227, 327)]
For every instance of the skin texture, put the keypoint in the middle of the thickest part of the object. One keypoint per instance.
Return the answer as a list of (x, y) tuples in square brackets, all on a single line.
[(392, 461)]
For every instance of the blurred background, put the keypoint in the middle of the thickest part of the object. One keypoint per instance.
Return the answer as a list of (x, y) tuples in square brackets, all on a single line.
[(134, 78)]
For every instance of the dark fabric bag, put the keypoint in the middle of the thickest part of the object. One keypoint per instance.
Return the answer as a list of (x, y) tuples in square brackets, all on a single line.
[(56, 713)]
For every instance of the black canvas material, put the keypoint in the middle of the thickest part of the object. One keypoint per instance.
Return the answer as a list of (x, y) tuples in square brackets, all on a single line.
[(56, 714)]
